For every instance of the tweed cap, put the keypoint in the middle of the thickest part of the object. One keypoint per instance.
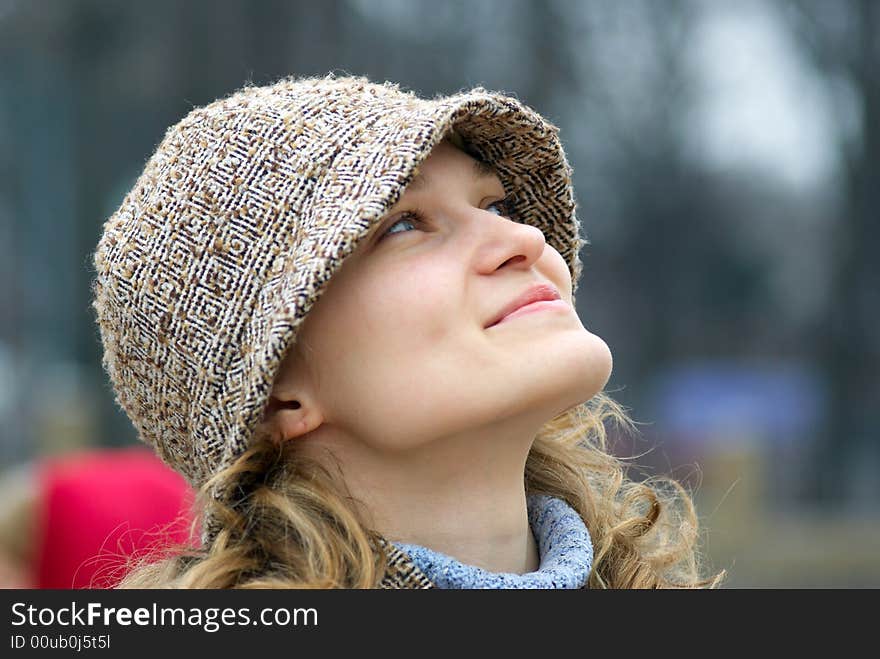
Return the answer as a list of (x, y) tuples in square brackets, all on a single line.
[(242, 215)]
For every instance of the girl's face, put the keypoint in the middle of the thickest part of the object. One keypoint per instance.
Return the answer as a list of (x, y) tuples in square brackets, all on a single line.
[(398, 351)]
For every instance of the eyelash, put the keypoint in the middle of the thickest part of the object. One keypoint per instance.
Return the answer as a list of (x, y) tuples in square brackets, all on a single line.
[(417, 216)]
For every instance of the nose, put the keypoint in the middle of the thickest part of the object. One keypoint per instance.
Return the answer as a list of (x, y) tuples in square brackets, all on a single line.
[(506, 243)]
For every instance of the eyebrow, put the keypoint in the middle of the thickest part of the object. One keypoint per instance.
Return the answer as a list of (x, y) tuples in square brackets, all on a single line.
[(480, 171)]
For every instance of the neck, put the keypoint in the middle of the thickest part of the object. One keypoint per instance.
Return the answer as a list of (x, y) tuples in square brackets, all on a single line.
[(564, 543), (486, 529), (461, 496)]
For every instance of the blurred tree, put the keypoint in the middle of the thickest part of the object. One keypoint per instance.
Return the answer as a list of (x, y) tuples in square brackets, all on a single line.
[(841, 40), (670, 260)]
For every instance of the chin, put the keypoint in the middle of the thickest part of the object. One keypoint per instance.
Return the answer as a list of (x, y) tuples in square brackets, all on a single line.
[(590, 367)]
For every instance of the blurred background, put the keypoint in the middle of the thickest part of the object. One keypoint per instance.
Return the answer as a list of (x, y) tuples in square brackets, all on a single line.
[(727, 167)]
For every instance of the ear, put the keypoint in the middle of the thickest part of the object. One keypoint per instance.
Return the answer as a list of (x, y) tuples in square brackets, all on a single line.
[(291, 415)]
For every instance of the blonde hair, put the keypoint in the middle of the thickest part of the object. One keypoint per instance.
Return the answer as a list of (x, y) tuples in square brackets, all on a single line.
[(290, 526)]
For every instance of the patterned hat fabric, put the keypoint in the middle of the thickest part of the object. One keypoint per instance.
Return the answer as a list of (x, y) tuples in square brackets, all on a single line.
[(245, 211)]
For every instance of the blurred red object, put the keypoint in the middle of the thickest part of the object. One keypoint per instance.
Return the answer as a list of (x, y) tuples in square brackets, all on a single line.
[(98, 509)]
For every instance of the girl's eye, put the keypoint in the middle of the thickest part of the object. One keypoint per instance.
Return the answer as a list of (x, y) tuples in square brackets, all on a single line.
[(416, 217), (410, 217), (505, 206)]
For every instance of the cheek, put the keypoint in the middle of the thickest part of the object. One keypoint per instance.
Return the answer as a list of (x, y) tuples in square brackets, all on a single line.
[(406, 309), (557, 269), (395, 345)]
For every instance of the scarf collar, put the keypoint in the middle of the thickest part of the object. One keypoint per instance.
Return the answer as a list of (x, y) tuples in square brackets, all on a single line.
[(564, 547)]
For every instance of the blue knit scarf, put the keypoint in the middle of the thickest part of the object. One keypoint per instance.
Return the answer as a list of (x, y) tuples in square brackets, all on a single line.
[(564, 546)]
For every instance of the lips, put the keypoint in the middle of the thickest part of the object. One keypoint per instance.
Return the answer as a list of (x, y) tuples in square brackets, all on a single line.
[(535, 293)]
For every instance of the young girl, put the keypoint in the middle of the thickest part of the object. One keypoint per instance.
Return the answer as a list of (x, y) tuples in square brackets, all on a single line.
[(346, 314)]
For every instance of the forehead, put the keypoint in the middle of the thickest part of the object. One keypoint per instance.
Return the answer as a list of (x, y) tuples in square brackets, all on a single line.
[(446, 153)]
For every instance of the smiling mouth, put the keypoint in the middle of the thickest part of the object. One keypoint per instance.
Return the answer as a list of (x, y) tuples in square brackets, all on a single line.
[(534, 307), (528, 301)]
